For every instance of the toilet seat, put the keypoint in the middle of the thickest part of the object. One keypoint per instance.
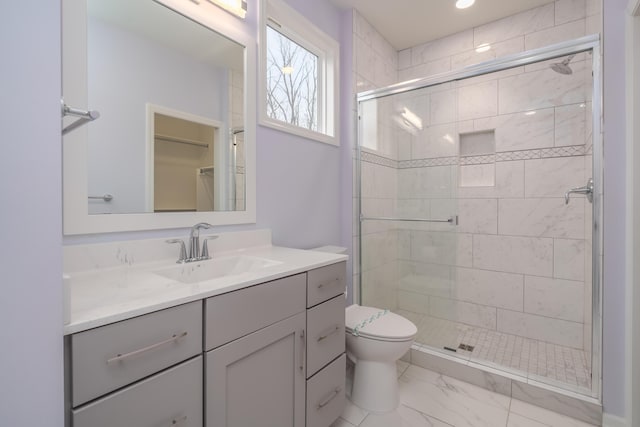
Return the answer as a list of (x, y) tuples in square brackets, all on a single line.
[(374, 323)]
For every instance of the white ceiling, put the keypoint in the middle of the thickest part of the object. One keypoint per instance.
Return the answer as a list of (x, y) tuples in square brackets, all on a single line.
[(407, 23)]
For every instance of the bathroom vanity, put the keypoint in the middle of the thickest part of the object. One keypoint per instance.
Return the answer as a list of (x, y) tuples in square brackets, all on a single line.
[(253, 348)]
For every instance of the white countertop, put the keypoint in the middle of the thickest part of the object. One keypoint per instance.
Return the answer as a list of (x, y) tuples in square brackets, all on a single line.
[(107, 295)]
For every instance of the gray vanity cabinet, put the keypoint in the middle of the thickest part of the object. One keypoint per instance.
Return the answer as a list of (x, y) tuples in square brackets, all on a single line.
[(268, 355), (259, 380)]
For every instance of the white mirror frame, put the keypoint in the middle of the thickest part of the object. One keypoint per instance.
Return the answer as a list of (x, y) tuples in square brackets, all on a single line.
[(77, 219)]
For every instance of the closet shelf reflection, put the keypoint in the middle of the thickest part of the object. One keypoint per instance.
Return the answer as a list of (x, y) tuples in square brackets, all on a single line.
[(168, 138)]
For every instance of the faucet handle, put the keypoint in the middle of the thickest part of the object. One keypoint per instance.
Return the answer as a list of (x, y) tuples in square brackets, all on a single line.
[(205, 247), (183, 250)]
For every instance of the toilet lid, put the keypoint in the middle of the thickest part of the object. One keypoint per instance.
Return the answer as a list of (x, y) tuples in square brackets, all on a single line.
[(374, 323)]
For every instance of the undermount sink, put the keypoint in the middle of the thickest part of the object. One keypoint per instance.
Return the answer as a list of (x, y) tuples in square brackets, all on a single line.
[(216, 268)]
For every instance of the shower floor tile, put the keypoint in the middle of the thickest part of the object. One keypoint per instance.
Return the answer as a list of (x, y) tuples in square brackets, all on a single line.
[(549, 363)]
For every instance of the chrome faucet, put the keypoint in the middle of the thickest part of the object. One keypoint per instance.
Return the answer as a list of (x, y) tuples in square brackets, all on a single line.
[(194, 245), (194, 240)]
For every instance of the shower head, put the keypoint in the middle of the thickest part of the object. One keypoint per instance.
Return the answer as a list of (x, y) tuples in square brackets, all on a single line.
[(563, 67)]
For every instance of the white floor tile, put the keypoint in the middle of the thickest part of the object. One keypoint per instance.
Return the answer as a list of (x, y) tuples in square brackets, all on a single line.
[(452, 401), (516, 420), (401, 367), (402, 417), (353, 414), (542, 416), (341, 423)]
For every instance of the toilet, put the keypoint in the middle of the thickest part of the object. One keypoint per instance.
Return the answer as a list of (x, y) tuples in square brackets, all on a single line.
[(376, 339)]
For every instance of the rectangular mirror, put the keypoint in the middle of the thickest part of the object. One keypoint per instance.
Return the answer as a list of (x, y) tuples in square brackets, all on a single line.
[(174, 143)]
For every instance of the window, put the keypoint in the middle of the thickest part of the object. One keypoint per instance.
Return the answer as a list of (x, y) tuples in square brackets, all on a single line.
[(299, 75)]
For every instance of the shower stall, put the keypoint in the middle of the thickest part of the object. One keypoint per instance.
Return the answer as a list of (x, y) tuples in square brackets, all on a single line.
[(479, 205)]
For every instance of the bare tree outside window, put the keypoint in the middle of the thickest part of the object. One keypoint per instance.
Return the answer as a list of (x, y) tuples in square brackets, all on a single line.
[(292, 82)]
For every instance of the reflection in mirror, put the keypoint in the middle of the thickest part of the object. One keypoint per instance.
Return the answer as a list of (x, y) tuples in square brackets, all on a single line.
[(170, 95)]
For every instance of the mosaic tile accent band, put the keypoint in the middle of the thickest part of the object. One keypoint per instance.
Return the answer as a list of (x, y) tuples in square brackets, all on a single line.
[(378, 160), (504, 156)]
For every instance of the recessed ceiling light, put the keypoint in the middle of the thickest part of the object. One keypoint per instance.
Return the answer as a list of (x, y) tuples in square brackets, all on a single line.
[(483, 47), (463, 4)]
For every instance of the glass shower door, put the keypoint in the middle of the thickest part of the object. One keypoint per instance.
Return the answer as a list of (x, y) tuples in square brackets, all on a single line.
[(464, 224)]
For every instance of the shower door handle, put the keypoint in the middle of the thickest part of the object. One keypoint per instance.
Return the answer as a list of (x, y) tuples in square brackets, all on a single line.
[(587, 190)]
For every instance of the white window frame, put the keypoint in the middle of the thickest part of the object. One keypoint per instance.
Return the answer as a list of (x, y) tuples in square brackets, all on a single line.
[(284, 19)]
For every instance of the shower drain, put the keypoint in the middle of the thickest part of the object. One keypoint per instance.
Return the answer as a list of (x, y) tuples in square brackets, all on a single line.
[(466, 347)]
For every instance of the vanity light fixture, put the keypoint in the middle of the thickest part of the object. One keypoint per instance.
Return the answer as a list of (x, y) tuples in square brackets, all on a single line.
[(484, 47), (463, 4), (287, 69), (237, 7)]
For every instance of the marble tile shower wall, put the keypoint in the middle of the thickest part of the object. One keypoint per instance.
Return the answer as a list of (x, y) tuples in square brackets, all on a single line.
[(518, 261)]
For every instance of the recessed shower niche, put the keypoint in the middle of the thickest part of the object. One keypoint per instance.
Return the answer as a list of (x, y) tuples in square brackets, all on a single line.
[(477, 159)]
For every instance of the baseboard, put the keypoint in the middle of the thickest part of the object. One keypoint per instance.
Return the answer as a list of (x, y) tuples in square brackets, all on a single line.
[(609, 420)]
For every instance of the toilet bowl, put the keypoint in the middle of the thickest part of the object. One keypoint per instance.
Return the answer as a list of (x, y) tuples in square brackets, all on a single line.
[(376, 339)]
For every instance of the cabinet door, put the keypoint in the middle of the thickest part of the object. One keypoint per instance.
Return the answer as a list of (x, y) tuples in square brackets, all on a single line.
[(259, 380)]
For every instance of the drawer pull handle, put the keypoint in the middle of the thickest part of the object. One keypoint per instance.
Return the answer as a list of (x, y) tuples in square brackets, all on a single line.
[(329, 283), (328, 334), (120, 357), (329, 398), (178, 421)]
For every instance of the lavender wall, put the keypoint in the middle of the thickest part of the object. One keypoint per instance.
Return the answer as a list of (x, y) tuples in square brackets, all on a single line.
[(299, 179), (31, 387), (614, 208)]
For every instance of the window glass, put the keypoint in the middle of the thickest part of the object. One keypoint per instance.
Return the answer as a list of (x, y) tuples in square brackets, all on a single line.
[(292, 82)]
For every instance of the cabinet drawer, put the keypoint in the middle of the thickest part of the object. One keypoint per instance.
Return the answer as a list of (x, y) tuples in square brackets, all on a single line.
[(325, 394), (169, 399), (236, 314), (325, 283), (325, 333), (107, 358)]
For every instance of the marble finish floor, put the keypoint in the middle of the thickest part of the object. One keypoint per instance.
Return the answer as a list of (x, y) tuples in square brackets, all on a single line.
[(554, 364), (428, 399)]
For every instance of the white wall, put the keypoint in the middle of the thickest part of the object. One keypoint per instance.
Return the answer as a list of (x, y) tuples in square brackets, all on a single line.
[(31, 386)]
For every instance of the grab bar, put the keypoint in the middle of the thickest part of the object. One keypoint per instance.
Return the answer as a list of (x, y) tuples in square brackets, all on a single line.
[(84, 117), (452, 220)]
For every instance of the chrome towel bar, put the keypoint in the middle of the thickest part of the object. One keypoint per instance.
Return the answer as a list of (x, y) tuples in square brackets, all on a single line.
[(452, 220)]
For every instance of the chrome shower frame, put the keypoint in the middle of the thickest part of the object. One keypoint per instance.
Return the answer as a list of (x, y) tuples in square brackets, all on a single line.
[(583, 44)]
